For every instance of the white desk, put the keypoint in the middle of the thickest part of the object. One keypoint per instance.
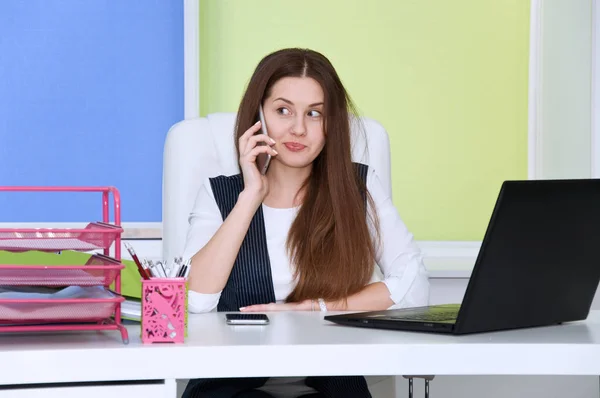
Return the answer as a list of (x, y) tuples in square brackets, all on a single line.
[(296, 344)]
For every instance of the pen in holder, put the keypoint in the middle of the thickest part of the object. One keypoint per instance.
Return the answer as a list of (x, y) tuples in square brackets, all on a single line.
[(164, 310)]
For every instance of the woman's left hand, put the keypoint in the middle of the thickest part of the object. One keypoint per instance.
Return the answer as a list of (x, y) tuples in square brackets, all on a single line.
[(301, 306)]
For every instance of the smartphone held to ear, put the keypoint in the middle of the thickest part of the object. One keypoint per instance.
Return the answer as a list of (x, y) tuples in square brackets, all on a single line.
[(247, 319), (263, 159)]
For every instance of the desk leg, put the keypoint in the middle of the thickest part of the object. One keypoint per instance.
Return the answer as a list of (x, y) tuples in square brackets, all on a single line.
[(170, 388), (411, 384)]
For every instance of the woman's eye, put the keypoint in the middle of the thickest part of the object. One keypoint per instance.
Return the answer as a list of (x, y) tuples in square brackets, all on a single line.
[(283, 111), (314, 113)]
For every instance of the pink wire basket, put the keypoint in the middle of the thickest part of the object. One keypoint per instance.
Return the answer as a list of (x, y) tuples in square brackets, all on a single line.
[(93, 237), (49, 311), (99, 270), (24, 315)]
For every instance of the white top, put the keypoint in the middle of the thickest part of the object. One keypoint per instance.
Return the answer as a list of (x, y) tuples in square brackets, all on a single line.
[(400, 263)]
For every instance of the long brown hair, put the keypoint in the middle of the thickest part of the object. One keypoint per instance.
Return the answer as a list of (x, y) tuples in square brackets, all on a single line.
[(329, 242)]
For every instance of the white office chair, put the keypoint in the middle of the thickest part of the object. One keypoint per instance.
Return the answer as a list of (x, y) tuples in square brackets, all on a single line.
[(204, 147)]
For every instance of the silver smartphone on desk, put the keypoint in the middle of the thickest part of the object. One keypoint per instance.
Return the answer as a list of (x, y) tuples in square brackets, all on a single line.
[(247, 319)]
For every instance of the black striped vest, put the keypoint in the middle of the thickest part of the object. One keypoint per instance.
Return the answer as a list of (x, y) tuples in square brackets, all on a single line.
[(250, 281)]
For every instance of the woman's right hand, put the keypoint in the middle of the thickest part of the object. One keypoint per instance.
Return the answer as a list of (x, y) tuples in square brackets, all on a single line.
[(254, 183)]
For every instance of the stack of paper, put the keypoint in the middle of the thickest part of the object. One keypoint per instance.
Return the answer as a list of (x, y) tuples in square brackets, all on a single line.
[(131, 309)]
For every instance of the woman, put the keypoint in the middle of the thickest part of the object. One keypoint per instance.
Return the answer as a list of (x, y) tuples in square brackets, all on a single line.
[(308, 234)]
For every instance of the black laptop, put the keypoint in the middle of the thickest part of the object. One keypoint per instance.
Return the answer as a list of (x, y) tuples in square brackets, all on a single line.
[(539, 264)]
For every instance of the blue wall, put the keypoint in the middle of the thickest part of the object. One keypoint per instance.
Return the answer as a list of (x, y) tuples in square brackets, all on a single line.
[(88, 91)]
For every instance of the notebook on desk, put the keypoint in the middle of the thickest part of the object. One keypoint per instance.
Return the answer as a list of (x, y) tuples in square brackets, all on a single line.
[(539, 264)]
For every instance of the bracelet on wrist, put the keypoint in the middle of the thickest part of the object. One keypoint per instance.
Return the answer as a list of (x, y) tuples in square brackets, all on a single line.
[(322, 305)]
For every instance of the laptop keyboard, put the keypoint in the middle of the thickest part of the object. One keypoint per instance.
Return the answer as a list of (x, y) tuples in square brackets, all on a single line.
[(436, 316)]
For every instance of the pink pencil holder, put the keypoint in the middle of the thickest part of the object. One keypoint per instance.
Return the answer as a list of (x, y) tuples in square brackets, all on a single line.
[(163, 310)]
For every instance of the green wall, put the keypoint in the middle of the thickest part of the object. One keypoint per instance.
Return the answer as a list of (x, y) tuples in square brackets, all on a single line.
[(447, 79)]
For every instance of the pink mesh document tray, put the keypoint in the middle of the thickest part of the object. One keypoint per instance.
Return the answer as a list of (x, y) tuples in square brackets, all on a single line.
[(51, 311), (94, 236), (84, 313), (99, 270)]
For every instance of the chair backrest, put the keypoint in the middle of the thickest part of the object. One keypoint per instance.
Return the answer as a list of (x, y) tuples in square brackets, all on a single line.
[(204, 147)]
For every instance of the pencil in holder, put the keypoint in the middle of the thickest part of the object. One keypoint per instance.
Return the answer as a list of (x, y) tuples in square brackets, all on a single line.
[(164, 314)]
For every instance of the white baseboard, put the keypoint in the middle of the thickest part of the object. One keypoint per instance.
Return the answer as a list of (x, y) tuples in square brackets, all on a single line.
[(149, 249), (449, 259), (443, 259), (449, 248)]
